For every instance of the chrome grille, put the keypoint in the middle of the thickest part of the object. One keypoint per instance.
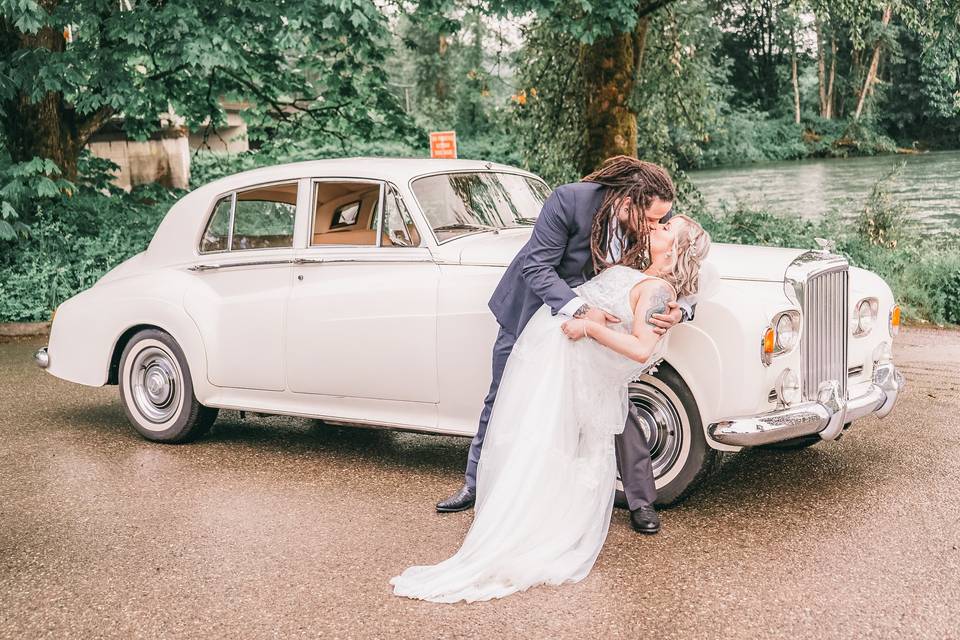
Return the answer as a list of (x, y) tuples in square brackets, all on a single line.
[(824, 341)]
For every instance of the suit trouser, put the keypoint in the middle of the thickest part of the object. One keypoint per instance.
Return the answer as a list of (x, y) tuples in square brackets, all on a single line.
[(633, 451)]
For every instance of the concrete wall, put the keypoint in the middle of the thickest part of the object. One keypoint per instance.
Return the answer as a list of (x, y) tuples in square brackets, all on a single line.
[(165, 159)]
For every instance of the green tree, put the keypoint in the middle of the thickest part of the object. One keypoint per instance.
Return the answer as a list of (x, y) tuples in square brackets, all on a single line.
[(68, 66)]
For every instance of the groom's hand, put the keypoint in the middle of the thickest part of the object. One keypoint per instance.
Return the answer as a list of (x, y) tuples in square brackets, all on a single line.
[(601, 317), (663, 321)]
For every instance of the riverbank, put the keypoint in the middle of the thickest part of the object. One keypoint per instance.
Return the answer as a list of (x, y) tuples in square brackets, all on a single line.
[(838, 188)]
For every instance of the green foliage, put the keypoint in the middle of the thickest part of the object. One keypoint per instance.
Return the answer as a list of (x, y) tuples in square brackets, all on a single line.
[(74, 240), (883, 220), (924, 276), (314, 65), (548, 112), (746, 136), (26, 187)]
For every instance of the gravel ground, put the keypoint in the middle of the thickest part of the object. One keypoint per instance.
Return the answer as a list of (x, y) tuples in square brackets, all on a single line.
[(278, 527)]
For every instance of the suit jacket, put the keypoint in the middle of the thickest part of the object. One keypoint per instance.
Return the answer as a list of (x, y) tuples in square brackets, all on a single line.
[(555, 259)]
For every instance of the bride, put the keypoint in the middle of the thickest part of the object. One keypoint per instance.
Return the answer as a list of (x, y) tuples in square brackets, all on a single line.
[(547, 475)]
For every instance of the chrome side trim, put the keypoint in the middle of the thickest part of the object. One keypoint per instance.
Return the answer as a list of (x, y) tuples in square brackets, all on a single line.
[(363, 260), (246, 263)]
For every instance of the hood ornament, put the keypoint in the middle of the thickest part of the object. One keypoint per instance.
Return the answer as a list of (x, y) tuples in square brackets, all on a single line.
[(827, 246)]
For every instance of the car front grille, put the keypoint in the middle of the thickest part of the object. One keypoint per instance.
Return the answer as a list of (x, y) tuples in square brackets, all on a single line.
[(823, 344)]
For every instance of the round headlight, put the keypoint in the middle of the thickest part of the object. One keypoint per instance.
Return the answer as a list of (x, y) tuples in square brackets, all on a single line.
[(786, 332), (788, 387), (865, 316)]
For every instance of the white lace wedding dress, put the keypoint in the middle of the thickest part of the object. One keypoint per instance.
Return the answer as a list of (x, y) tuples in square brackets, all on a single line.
[(547, 473)]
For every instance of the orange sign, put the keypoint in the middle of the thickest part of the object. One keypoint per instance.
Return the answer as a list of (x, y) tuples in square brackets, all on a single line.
[(443, 144)]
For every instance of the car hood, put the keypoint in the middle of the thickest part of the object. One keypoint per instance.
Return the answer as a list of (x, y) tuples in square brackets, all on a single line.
[(733, 261)]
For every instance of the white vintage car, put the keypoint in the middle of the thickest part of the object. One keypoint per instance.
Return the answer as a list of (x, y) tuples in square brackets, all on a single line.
[(355, 291)]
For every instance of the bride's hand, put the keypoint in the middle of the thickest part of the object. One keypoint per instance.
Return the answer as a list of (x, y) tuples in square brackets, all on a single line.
[(575, 328)]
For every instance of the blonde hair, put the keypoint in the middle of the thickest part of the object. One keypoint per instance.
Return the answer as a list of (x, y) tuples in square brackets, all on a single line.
[(691, 248)]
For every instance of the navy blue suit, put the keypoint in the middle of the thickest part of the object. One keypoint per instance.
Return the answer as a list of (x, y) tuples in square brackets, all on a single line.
[(555, 259)]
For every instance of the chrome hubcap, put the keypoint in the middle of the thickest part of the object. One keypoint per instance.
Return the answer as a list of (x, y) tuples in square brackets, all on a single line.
[(661, 426), (155, 381)]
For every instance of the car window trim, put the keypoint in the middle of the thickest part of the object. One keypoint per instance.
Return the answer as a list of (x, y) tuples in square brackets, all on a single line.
[(394, 190), (233, 207), (423, 215), (313, 209)]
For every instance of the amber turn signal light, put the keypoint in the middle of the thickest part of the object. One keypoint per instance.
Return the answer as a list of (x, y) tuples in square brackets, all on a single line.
[(894, 320), (768, 344)]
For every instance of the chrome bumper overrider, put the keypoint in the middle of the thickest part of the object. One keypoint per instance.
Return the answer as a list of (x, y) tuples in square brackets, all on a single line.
[(42, 358), (825, 417)]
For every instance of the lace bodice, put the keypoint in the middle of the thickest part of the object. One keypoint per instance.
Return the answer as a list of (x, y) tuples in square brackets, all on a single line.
[(610, 291), (599, 372)]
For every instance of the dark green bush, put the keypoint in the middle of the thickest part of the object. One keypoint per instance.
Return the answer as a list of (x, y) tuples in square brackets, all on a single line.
[(748, 136), (73, 241)]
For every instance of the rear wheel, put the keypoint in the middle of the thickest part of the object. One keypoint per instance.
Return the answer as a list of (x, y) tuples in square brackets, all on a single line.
[(670, 420), (156, 390)]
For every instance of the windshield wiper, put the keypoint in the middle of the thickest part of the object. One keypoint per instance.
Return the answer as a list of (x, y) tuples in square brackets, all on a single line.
[(462, 225)]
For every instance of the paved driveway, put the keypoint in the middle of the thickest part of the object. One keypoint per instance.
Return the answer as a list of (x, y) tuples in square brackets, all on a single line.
[(277, 527)]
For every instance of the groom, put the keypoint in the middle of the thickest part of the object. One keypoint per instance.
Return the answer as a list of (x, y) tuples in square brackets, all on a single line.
[(583, 227)]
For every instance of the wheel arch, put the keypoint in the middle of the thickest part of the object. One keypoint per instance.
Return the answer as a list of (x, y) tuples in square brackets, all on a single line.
[(694, 356), (113, 372), (175, 322)]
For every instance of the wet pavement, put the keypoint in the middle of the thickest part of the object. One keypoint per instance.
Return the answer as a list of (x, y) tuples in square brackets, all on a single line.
[(283, 528)]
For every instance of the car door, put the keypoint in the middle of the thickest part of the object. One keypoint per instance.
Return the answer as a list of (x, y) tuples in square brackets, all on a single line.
[(241, 282), (361, 317)]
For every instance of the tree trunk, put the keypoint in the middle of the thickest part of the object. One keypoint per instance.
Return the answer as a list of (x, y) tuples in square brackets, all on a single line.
[(48, 128), (821, 69), (609, 66), (833, 75), (796, 83), (874, 64)]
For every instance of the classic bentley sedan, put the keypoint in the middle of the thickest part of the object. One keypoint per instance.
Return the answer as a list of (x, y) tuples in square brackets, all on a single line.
[(355, 291)]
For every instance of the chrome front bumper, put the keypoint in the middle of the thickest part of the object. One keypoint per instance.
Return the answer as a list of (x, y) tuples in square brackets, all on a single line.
[(826, 417)]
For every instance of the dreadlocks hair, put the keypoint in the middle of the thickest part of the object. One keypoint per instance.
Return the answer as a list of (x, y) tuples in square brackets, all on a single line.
[(639, 182)]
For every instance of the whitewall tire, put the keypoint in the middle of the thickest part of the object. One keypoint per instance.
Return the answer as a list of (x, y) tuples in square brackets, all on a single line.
[(156, 390), (670, 420)]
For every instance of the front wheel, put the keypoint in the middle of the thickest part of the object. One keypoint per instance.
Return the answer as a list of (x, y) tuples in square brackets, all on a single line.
[(670, 420), (156, 390)]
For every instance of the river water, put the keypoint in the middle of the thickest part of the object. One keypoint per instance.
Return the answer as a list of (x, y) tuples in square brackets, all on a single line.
[(929, 185)]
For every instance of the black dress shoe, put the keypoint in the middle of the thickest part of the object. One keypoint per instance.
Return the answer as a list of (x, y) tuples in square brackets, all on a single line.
[(460, 501), (645, 520)]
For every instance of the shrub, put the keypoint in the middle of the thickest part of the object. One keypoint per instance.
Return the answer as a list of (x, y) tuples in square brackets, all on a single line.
[(73, 241)]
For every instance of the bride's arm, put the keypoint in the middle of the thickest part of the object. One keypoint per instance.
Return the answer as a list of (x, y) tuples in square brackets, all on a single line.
[(654, 294)]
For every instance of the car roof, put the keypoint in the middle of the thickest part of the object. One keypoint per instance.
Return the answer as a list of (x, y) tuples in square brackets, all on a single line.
[(396, 170), (180, 227)]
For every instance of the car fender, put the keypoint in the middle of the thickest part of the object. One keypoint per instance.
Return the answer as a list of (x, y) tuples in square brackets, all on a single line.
[(91, 328)]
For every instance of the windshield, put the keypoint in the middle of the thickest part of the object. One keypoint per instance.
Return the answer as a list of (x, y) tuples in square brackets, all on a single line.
[(456, 204)]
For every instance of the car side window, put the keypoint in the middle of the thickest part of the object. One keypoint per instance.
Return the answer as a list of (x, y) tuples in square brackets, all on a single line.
[(345, 213), (398, 227), (260, 218), (216, 236), (264, 217)]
